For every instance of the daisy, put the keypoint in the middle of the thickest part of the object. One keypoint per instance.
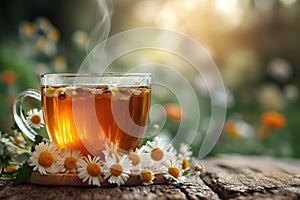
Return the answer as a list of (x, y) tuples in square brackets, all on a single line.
[(10, 168), (110, 150), (90, 169), (138, 159), (44, 158), (173, 171), (197, 168), (35, 118), (60, 91), (159, 152), (14, 144), (118, 94), (185, 150), (9, 144), (49, 92), (18, 138), (117, 172), (136, 92), (184, 154), (96, 91), (147, 176), (68, 159), (80, 38), (71, 91)]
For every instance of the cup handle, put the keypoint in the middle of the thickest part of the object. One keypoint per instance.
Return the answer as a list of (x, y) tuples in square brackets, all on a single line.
[(18, 112)]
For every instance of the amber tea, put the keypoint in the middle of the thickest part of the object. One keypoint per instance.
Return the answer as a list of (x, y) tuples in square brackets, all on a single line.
[(85, 111), (83, 117)]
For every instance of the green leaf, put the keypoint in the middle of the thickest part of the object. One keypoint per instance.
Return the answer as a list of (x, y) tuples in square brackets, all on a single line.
[(21, 157), (9, 175), (38, 139), (186, 172), (24, 172)]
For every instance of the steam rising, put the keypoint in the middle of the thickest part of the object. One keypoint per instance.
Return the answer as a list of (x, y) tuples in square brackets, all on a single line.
[(102, 27), (103, 51)]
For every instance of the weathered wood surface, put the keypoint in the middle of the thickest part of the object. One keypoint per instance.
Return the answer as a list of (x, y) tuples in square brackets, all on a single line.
[(225, 177)]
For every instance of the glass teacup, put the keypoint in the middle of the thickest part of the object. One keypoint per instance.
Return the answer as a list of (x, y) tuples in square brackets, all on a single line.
[(85, 111)]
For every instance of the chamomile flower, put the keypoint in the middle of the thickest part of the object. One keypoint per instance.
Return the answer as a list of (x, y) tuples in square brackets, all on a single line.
[(136, 91), (185, 150), (138, 159), (117, 172), (110, 150), (80, 38), (119, 94), (35, 118), (90, 170), (18, 138), (147, 176), (14, 144), (44, 158), (68, 159), (11, 168), (197, 168), (159, 152), (184, 154), (173, 171), (96, 91)]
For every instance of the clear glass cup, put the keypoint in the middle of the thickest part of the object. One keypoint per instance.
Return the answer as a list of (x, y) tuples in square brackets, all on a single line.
[(85, 111)]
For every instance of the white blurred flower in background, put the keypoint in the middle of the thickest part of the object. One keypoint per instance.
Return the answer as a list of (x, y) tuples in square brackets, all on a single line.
[(239, 128), (270, 97), (80, 38), (291, 92), (279, 69)]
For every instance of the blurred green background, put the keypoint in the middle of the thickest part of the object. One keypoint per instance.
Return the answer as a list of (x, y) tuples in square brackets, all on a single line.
[(255, 44)]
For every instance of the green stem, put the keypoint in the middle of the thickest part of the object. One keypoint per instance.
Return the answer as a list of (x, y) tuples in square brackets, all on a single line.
[(18, 146)]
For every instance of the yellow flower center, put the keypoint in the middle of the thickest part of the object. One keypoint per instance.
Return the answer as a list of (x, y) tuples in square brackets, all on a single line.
[(10, 168), (135, 159), (174, 171), (93, 169), (185, 163), (46, 159), (36, 119), (157, 154), (198, 168), (146, 175), (70, 163), (53, 34), (17, 140), (116, 169), (113, 152)]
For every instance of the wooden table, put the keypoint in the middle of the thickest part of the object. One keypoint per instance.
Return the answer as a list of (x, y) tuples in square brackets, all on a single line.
[(225, 177)]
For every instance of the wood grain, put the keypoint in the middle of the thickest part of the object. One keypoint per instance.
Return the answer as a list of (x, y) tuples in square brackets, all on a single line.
[(225, 177)]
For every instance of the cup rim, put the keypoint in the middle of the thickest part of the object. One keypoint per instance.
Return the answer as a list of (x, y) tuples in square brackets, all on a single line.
[(105, 74)]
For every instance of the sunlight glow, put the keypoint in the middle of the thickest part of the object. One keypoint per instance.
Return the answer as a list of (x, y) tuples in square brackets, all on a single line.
[(167, 18), (191, 4), (232, 11), (227, 6), (146, 15), (288, 2)]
